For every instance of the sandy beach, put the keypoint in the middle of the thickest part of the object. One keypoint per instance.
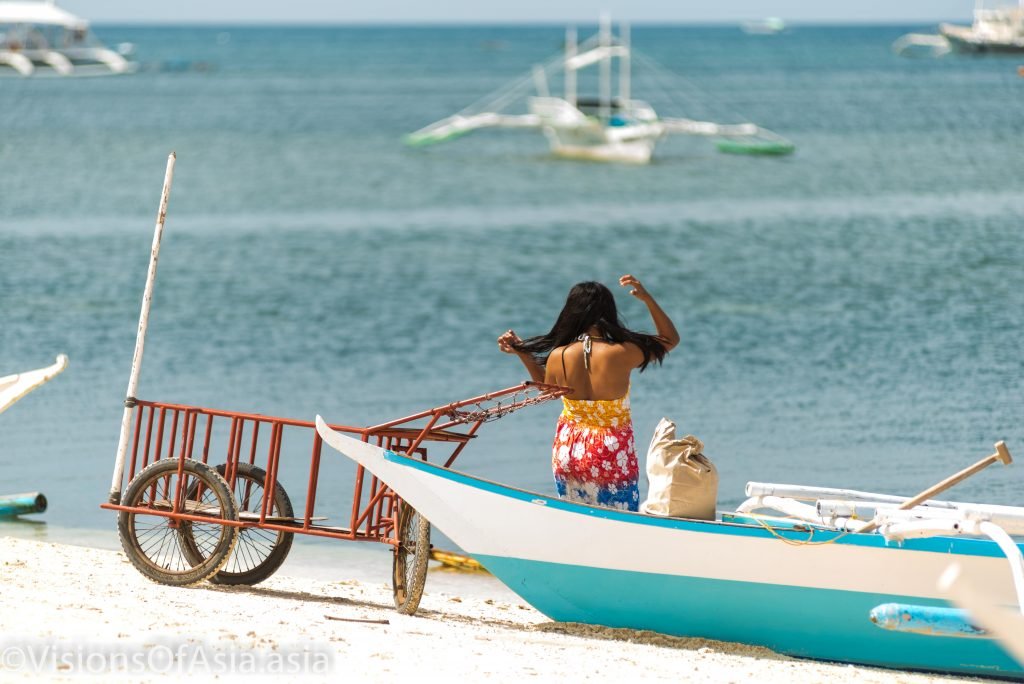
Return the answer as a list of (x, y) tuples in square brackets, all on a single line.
[(72, 613)]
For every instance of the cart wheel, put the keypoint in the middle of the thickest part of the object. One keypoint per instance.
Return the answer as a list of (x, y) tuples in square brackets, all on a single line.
[(156, 544), (258, 553), (409, 570)]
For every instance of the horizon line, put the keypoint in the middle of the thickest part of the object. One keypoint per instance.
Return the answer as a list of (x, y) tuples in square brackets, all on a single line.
[(457, 23)]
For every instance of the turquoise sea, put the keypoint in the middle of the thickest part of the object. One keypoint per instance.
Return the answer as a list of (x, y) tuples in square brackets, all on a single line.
[(851, 315)]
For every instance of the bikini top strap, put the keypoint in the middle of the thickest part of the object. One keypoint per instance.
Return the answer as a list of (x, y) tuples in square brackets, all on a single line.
[(588, 347)]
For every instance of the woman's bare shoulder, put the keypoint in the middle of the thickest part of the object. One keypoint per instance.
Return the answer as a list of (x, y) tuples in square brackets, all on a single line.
[(630, 352)]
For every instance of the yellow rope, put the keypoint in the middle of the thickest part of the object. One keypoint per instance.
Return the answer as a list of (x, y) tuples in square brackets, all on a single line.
[(797, 542)]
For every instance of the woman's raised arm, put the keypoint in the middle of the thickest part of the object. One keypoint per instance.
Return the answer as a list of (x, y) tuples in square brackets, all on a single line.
[(666, 329)]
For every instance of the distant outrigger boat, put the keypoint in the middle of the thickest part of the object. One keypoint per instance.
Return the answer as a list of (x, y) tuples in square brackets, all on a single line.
[(802, 584), (769, 26), (37, 37), (994, 29), (609, 127)]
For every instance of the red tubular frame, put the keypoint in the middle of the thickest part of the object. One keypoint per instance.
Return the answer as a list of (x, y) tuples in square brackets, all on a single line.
[(371, 519)]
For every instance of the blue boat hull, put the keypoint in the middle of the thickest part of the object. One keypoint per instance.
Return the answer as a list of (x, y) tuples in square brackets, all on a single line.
[(823, 624)]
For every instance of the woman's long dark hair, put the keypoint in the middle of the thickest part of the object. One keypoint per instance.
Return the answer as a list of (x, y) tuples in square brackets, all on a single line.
[(591, 304)]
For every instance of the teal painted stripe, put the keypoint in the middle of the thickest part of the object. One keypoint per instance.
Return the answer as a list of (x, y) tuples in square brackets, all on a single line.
[(951, 545), (823, 624)]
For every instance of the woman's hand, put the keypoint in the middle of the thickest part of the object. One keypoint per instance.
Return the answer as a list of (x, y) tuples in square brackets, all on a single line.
[(508, 341), (638, 291), (667, 332)]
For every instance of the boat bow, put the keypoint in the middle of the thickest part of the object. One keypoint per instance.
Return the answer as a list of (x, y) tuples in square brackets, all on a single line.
[(14, 387)]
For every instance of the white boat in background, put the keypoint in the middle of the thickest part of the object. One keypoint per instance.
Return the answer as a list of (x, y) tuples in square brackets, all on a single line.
[(994, 29), (14, 387), (769, 26), (37, 38), (611, 127)]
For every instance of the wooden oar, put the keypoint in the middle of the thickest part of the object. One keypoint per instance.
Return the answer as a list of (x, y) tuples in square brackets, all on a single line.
[(1002, 454)]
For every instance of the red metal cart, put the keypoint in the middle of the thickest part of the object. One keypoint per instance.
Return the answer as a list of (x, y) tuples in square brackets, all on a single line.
[(203, 497), (192, 512)]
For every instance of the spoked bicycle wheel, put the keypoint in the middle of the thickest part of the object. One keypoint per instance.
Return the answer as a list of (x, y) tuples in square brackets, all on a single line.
[(409, 568), (155, 544), (258, 553)]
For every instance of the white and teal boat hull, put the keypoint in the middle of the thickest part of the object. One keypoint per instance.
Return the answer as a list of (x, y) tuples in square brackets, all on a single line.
[(728, 581)]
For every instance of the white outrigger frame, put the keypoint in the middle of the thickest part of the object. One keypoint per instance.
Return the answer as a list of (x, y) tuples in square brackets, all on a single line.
[(896, 517), (621, 129)]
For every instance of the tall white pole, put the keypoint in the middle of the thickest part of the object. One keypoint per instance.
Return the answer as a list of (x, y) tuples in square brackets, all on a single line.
[(140, 338), (624, 65), (570, 73)]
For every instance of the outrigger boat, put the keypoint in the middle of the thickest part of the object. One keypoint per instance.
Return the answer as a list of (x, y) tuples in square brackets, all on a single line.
[(814, 580), (994, 29), (37, 37), (610, 127)]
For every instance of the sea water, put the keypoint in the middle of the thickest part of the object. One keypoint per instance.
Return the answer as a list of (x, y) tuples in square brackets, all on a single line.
[(851, 315)]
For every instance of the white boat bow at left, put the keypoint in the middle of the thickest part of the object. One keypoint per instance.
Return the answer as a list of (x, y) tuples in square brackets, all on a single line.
[(14, 387)]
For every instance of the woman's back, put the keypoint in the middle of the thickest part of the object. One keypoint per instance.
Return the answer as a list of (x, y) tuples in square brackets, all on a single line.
[(593, 457), (607, 376)]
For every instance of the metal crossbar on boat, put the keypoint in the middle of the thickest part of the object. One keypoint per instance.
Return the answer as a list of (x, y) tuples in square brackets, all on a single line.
[(832, 504)]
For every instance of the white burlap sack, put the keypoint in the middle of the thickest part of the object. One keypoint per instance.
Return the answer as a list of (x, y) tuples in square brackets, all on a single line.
[(684, 483)]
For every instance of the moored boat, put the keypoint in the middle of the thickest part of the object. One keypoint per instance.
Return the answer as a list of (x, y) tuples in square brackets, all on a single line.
[(39, 38), (799, 588), (994, 29), (611, 127), (768, 26), (998, 29)]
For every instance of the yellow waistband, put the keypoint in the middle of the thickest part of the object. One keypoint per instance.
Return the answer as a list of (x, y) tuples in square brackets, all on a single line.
[(597, 412)]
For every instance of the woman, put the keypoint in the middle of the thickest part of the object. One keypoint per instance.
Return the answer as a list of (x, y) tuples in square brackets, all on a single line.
[(588, 349)]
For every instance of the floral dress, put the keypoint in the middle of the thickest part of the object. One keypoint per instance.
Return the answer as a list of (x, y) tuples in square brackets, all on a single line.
[(593, 458)]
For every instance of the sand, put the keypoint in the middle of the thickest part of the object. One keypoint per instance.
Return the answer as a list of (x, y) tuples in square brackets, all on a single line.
[(72, 613)]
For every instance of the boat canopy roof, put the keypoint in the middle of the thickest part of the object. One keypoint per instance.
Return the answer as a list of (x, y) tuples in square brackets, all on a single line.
[(43, 13)]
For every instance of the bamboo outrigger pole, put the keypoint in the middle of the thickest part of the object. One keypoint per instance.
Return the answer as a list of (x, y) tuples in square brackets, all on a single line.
[(1002, 455), (140, 339)]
